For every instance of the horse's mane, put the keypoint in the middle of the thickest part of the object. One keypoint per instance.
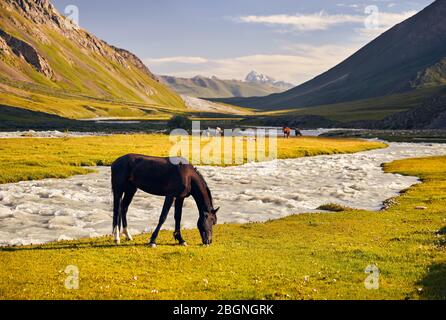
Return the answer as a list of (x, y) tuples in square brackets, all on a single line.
[(205, 184)]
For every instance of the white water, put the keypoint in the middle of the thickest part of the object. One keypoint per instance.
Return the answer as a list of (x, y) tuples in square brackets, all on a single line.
[(42, 211)]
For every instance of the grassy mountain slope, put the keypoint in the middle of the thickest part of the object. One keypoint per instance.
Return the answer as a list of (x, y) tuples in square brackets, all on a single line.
[(367, 109), (202, 87), (45, 59), (407, 57)]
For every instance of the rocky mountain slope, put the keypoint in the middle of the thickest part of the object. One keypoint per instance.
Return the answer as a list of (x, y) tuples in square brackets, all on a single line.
[(46, 54), (408, 57), (204, 87)]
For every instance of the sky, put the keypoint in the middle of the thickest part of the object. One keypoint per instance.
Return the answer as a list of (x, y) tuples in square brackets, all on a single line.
[(290, 40)]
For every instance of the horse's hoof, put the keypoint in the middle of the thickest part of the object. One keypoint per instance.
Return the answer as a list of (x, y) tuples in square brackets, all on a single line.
[(127, 235), (183, 244), (117, 241), (152, 245)]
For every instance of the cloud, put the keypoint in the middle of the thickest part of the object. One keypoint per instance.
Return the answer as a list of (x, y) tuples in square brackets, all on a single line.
[(298, 64), (324, 21), (178, 59), (303, 22)]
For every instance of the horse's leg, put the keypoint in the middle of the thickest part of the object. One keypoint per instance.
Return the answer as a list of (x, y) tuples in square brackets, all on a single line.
[(128, 197), (178, 213), (167, 205), (117, 197)]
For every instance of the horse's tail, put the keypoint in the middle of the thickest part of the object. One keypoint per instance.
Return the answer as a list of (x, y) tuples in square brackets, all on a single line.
[(120, 174), (121, 171)]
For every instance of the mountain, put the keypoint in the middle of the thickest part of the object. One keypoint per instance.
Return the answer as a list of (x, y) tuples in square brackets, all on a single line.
[(203, 87), (260, 78), (255, 77), (409, 56), (49, 64)]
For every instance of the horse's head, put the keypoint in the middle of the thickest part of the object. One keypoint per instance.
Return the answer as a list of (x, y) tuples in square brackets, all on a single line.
[(205, 225)]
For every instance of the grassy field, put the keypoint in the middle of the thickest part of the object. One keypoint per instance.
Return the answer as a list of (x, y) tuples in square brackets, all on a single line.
[(34, 158), (308, 256)]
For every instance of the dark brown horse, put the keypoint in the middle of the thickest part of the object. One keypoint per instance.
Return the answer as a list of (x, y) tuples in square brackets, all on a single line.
[(172, 178)]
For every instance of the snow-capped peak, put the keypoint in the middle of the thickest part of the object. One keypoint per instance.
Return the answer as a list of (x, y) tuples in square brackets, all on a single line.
[(254, 76)]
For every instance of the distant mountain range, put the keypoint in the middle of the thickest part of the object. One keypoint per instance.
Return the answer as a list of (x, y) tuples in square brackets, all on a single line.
[(255, 84), (409, 57), (49, 64)]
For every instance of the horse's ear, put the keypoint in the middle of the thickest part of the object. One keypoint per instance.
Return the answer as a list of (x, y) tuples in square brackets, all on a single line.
[(215, 210)]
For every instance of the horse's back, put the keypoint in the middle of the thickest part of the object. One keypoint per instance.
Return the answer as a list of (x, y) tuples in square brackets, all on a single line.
[(156, 175)]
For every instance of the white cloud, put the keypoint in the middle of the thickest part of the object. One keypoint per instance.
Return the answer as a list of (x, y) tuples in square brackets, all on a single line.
[(303, 22), (323, 20), (178, 59)]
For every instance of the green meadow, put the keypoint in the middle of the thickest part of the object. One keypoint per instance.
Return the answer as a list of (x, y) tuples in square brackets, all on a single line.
[(306, 256)]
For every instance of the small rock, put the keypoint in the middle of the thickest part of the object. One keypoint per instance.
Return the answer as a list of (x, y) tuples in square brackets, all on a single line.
[(420, 208)]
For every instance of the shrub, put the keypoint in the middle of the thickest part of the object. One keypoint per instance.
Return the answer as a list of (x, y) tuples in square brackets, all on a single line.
[(179, 122)]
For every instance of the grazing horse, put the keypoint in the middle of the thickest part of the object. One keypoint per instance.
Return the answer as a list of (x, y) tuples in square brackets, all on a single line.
[(172, 178), (286, 132), (298, 132)]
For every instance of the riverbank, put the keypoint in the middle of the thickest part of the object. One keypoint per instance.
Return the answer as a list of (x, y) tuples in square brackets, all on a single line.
[(416, 136)]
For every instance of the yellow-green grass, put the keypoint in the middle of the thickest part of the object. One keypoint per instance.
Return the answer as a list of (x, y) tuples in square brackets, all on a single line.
[(308, 256), (35, 158)]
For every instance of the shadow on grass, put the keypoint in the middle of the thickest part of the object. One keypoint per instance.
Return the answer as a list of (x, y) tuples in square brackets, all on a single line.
[(65, 246), (442, 231), (434, 283)]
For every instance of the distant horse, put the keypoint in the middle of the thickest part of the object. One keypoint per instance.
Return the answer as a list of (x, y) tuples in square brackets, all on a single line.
[(172, 178), (286, 132), (298, 132)]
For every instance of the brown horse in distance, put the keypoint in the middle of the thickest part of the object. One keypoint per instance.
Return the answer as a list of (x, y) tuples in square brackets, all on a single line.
[(286, 132), (172, 178)]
